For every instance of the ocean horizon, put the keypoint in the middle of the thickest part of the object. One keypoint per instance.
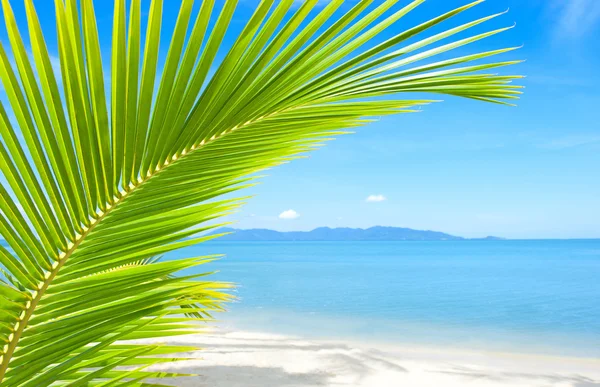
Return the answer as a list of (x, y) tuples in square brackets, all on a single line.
[(533, 296)]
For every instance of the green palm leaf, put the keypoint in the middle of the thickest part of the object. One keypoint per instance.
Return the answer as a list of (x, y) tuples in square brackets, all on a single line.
[(98, 187)]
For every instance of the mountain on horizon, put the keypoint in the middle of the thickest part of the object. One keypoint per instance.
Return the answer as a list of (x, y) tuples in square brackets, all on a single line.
[(376, 233)]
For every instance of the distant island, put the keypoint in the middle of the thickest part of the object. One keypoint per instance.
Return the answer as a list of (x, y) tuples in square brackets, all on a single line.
[(377, 233)]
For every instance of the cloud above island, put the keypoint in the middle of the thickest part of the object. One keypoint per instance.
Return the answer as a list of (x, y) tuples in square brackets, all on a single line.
[(289, 214), (375, 198)]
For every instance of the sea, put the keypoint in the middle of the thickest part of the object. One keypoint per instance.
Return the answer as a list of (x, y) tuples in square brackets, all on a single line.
[(530, 296)]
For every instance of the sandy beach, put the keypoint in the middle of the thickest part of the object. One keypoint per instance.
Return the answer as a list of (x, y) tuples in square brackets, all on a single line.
[(250, 359)]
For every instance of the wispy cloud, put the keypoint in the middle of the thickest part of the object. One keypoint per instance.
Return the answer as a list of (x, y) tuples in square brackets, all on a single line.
[(375, 198), (289, 214), (576, 17), (559, 80), (570, 142), (55, 63)]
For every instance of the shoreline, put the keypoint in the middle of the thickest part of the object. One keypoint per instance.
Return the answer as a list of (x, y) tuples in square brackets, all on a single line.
[(258, 359), (381, 332)]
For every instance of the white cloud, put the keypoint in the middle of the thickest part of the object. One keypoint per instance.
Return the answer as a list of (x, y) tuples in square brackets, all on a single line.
[(289, 214), (576, 17), (376, 198)]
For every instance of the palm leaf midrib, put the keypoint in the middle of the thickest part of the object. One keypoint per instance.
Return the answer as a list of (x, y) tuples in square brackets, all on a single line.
[(64, 256)]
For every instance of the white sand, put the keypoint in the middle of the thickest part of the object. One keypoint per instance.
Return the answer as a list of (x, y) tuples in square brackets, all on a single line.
[(245, 359)]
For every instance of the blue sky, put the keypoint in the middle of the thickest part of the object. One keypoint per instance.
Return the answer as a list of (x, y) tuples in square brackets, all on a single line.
[(461, 167)]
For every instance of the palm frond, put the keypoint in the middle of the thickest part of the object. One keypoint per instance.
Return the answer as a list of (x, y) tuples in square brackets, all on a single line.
[(94, 187)]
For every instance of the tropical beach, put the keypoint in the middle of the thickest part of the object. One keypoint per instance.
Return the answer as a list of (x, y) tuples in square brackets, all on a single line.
[(384, 314), (449, 237)]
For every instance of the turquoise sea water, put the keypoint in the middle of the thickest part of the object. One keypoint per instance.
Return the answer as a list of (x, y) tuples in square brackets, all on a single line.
[(533, 296)]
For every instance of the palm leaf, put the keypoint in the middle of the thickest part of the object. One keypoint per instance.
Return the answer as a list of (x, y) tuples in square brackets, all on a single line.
[(93, 188)]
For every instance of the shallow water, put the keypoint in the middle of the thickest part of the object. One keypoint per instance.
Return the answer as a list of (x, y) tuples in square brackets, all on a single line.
[(535, 296)]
